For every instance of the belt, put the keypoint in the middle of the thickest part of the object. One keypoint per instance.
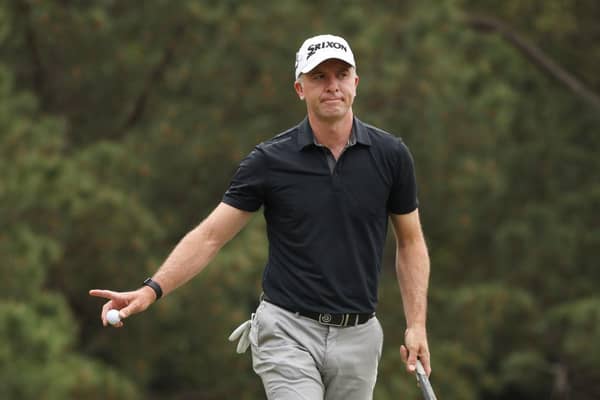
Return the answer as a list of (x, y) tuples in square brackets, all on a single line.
[(329, 319)]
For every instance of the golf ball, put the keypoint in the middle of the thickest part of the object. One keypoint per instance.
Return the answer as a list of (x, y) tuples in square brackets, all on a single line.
[(113, 317)]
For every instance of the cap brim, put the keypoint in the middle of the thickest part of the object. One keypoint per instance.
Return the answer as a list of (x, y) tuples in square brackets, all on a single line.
[(317, 61)]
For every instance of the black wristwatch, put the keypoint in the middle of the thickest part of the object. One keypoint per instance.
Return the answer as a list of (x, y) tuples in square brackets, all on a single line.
[(155, 286)]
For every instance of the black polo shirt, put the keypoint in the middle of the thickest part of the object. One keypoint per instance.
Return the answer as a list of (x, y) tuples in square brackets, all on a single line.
[(326, 229)]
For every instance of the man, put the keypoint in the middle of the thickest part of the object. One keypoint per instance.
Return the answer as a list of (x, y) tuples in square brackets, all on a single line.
[(328, 187)]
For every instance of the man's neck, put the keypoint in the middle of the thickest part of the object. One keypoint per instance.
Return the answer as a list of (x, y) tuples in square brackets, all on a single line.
[(332, 134)]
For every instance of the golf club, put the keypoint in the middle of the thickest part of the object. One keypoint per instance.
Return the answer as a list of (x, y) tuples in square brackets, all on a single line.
[(424, 383)]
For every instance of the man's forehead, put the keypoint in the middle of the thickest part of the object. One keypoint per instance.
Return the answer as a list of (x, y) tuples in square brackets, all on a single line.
[(332, 63)]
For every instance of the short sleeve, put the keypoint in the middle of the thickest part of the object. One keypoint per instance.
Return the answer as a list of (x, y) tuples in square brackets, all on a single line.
[(403, 195), (246, 189)]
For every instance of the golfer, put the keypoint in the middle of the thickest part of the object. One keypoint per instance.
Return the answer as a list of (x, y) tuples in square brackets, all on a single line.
[(328, 187)]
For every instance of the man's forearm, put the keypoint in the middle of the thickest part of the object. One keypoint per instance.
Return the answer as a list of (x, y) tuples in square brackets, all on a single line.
[(412, 270), (186, 260), (200, 246)]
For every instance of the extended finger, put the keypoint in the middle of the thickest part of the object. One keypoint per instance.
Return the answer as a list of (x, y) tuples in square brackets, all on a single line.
[(107, 294)]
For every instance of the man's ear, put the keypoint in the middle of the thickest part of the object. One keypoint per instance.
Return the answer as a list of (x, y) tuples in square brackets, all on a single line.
[(299, 89)]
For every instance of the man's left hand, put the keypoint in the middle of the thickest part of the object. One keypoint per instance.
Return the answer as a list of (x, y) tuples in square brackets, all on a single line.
[(415, 346)]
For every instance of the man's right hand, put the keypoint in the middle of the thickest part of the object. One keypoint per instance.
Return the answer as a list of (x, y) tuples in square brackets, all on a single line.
[(128, 303)]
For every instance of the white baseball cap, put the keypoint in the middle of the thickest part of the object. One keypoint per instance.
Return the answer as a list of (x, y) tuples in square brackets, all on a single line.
[(320, 48)]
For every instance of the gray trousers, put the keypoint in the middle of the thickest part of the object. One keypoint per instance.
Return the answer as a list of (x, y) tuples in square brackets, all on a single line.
[(299, 359)]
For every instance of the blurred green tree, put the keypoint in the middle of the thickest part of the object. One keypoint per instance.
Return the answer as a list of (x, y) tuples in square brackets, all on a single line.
[(39, 191)]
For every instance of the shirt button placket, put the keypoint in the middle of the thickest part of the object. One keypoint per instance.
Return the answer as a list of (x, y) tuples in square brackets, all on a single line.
[(336, 180)]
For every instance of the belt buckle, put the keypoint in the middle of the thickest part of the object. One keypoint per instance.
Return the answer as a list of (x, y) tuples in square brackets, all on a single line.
[(326, 318)]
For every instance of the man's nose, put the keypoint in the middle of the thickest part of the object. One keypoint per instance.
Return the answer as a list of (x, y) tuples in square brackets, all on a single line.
[(331, 83)]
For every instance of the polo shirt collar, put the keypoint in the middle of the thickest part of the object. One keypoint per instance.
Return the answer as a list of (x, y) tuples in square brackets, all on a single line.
[(307, 138)]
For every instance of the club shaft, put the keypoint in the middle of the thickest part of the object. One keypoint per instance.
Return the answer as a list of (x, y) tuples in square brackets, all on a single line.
[(424, 383)]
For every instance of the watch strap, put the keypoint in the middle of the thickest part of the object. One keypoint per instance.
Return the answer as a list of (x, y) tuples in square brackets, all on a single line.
[(155, 286)]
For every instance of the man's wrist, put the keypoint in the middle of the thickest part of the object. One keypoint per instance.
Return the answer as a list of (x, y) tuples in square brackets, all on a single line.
[(154, 286), (148, 293), (417, 326)]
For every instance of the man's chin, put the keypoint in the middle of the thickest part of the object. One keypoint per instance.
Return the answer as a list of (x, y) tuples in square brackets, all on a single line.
[(334, 115)]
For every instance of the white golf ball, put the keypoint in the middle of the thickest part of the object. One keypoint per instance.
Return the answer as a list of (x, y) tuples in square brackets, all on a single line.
[(113, 317)]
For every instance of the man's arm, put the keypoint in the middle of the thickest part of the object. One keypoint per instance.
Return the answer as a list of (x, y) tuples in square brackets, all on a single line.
[(200, 246), (412, 270), (187, 259)]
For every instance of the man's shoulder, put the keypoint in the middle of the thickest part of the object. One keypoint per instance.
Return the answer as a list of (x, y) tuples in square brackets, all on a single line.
[(381, 137), (281, 140)]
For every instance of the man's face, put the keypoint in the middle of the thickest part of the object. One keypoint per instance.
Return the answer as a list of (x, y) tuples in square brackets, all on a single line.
[(329, 89)]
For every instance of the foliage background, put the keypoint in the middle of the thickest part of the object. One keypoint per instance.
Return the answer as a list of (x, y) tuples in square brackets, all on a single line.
[(122, 122)]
